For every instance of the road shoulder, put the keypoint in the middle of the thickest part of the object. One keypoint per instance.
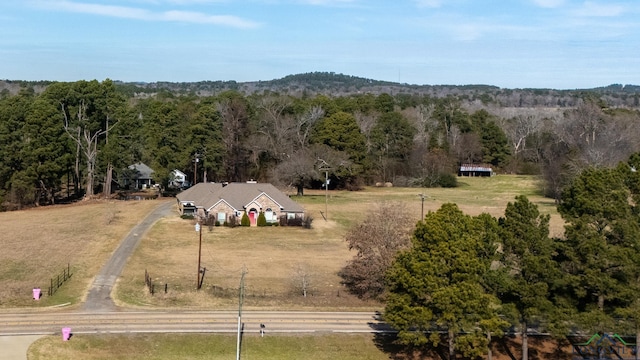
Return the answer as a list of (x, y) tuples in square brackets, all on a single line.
[(16, 347)]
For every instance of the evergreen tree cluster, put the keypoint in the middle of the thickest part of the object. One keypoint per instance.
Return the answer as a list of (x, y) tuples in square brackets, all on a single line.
[(474, 277)]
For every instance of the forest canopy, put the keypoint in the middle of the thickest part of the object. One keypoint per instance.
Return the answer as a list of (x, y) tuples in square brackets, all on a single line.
[(70, 140)]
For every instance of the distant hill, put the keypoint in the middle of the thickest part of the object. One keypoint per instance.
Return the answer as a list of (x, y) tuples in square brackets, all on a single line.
[(312, 83), (333, 84)]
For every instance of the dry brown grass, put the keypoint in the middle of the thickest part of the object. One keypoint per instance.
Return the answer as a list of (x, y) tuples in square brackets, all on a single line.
[(38, 243), (273, 255), (273, 258)]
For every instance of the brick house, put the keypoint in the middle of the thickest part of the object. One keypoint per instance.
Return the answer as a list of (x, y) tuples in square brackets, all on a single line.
[(223, 201)]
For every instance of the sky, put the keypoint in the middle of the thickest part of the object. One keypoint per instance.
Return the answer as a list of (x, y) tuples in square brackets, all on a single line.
[(560, 44)]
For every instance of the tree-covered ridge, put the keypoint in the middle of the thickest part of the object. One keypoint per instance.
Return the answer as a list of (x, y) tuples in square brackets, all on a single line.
[(328, 80), (330, 83)]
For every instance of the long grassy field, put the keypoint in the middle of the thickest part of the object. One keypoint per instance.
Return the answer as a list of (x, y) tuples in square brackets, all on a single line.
[(37, 244), (269, 347), (203, 346)]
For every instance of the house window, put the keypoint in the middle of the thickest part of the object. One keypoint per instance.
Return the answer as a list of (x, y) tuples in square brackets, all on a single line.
[(270, 216), (291, 216), (222, 217)]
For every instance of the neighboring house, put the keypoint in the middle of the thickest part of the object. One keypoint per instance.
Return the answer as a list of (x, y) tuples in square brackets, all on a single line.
[(178, 179), (235, 199), (140, 177), (474, 170)]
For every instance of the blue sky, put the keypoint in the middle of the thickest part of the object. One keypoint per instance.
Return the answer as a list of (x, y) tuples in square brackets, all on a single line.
[(561, 44)]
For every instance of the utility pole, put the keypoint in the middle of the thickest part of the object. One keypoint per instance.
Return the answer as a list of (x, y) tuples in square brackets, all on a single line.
[(325, 167), (195, 168), (240, 300), (199, 230), (326, 193)]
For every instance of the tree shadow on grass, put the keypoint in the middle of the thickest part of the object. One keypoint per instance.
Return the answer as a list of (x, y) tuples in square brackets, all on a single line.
[(387, 342), (507, 347), (540, 348), (504, 345), (386, 339), (546, 347)]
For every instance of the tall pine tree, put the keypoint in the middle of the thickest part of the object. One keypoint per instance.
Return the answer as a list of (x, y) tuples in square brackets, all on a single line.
[(439, 284)]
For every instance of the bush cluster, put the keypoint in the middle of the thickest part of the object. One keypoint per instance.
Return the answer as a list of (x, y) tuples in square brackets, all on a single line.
[(245, 220)]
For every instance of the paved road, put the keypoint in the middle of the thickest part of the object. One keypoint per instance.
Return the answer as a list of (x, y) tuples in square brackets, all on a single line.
[(190, 321), (99, 296), (15, 347)]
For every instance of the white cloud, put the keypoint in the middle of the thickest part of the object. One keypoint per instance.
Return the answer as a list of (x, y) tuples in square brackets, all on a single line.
[(195, 17), (429, 3), (467, 32), (548, 3), (143, 14), (593, 9)]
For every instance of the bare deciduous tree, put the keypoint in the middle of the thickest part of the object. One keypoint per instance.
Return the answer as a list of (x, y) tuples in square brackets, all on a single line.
[(305, 123), (300, 169), (296, 170), (385, 231), (302, 279), (595, 137), (468, 149), (86, 139), (366, 122), (518, 129), (275, 127)]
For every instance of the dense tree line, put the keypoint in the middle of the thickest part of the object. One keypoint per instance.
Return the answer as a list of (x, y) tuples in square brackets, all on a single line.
[(68, 140), (465, 279)]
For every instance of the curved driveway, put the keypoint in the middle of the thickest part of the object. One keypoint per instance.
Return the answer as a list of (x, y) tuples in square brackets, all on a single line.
[(99, 296)]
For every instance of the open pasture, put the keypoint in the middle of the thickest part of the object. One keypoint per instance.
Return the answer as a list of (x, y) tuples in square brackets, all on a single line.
[(278, 260), (37, 244)]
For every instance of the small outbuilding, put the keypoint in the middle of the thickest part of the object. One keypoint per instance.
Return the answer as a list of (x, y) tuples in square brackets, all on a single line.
[(475, 170)]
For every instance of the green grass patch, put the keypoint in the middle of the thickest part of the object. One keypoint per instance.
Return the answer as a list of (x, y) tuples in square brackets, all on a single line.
[(206, 346)]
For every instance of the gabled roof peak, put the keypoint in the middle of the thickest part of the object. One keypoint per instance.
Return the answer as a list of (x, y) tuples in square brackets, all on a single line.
[(237, 195)]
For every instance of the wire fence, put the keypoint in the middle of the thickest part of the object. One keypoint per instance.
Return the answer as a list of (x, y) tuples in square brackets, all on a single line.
[(59, 279), (148, 281)]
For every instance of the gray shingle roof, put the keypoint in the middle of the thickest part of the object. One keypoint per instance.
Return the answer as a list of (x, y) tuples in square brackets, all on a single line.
[(144, 172), (200, 194), (237, 195)]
